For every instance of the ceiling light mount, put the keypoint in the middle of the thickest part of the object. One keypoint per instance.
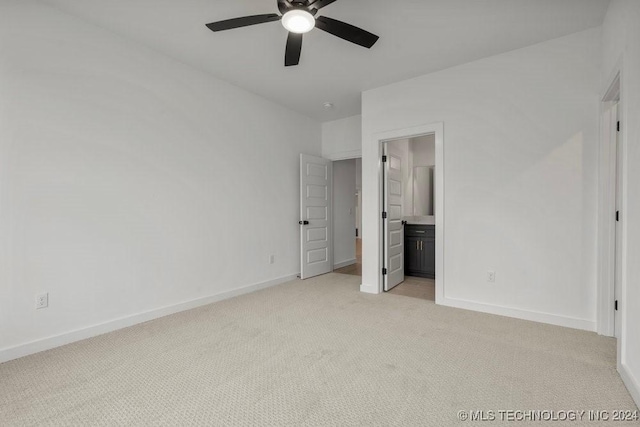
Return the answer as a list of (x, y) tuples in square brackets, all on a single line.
[(298, 21)]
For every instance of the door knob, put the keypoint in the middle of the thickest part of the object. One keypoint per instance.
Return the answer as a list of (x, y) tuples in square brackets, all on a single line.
[(303, 222)]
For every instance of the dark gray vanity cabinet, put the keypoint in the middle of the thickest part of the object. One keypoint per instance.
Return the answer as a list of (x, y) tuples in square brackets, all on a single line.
[(420, 250)]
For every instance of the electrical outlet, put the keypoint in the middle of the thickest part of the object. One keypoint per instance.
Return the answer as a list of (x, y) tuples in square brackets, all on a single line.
[(491, 276), (272, 259), (42, 301)]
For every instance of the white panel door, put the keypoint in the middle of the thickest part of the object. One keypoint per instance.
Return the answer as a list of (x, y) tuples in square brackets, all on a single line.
[(394, 230), (316, 176)]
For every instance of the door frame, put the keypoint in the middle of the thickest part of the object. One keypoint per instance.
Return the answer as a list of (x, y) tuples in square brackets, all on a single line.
[(609, 170), (439, 188)]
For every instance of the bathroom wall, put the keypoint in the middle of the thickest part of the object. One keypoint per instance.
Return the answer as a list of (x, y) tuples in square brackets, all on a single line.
[(420, 151)]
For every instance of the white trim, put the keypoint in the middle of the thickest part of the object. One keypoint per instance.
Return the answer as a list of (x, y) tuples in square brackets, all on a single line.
[(534, 316), (412, 132), (344, 155), (369, 289), (631, 382), (606, 204), (343, 264), (48, 343), (439, 212), (606, 224)]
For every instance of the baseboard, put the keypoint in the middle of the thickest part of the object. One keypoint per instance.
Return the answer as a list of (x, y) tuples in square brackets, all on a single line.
[(344, 263), (48, 343), (632, 383), (534, 316)]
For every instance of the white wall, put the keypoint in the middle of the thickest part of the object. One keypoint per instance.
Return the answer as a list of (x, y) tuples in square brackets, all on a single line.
[(423, 153), (130, 182), (621, 52), (520, 147), (419, 151), (344, 213), (342, 139), (423, 150)]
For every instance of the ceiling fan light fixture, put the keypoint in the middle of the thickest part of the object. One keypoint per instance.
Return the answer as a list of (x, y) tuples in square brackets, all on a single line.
[(298, 17), (298, 21)]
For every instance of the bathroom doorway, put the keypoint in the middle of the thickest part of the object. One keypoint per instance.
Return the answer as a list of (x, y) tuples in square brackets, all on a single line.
[(409, 216)]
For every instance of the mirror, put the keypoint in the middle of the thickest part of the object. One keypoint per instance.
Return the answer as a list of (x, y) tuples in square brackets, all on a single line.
[(423, 177)]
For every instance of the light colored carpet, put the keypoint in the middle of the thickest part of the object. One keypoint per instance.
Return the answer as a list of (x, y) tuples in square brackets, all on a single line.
[(416, 287), (313, 353)]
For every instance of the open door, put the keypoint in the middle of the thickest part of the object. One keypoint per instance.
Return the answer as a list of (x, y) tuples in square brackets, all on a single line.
[(393, 225), (316, 233)]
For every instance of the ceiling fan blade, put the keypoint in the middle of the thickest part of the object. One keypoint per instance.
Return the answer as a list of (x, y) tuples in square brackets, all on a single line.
[(294, 50), (284, 6), (346, 31), (245, 21), (319, 4)]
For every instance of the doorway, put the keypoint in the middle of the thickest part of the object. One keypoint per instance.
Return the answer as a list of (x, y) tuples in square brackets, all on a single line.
[(347, 242), (330, 216), (373, 266), (409, 217)]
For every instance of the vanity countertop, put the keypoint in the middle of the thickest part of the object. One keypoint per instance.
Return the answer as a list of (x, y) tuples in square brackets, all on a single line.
[(420, 221)]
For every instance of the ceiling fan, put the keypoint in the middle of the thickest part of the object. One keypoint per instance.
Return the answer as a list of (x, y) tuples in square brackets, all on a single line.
[(299, 17)]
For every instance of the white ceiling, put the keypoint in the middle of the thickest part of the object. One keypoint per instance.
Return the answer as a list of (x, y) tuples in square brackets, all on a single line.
[(416, 37)]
